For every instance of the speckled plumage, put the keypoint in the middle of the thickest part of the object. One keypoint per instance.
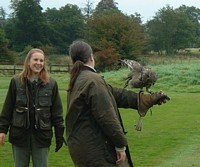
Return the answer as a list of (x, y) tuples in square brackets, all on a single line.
[(140, 76)]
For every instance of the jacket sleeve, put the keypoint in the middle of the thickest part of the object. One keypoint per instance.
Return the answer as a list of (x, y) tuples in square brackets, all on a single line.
[(124, 98), (8, 106), (56, 108), (104, 113)]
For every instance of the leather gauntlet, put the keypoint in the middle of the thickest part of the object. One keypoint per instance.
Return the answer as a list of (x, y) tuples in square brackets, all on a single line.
[(146, 101)]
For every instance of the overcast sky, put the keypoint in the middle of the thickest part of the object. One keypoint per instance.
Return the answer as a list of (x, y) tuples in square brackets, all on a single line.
[(146, 8)]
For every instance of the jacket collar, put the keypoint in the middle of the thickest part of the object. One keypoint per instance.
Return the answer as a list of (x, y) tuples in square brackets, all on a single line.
[(39, 81), (87, 67)]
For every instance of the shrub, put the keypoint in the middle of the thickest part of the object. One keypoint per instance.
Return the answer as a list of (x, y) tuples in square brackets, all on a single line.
[(106, 59)]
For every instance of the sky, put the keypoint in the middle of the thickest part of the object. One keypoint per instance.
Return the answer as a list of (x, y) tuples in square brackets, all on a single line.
[(146, 8)]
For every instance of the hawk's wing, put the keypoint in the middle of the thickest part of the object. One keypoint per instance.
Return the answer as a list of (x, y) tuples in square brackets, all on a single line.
[(140, 76), (132, 64)]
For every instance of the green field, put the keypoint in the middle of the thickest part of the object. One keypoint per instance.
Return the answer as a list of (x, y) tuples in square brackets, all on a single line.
[(170, 136)]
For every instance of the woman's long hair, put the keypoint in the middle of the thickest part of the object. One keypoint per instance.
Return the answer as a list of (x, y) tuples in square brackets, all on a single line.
[(27, 72), (80, 53)]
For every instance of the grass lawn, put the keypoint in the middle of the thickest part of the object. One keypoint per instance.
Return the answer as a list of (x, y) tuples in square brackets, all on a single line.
[(169, 138)]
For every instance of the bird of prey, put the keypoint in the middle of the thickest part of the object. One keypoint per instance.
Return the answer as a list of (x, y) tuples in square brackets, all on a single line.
[(140, 76)]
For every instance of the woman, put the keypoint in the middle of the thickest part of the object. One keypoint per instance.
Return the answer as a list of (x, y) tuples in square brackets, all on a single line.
[(32, 107), (95, 134)]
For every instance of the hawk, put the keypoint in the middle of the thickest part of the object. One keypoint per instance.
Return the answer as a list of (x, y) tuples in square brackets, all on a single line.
[(140, 76)]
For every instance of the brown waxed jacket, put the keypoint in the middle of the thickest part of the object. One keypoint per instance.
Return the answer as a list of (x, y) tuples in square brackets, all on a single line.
[(92, 121)]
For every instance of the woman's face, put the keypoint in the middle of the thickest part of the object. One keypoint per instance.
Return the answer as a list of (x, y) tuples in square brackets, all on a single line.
[(93, 61), (36, 63)]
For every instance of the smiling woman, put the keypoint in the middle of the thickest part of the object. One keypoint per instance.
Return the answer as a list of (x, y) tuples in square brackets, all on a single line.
[(36, 63), (31, 108), (35, 66)]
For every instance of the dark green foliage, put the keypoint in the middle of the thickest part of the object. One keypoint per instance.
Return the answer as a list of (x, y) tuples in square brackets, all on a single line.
[(105, 6), (29, 26), (2, 17), (3, 39), (171, 30), (66, 25), (6, 55)]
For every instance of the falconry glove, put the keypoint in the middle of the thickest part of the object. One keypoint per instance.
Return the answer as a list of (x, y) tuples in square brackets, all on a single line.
[(146, 101)]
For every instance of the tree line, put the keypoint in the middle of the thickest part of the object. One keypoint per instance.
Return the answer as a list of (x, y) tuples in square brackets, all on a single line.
[(111, 33)]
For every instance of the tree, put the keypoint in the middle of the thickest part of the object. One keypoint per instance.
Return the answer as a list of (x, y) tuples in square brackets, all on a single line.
[(13, 7), (118, 31), (114, 35), (29, 25), (193, 14), (3, 39), (67, 24), (170, 30), (107, 59), (88, 9), (105, 6), (6, 55), (2, 17)]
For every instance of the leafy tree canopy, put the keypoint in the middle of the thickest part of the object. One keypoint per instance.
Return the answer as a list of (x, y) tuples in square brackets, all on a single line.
[(171, 30), (116, 30), (67, 24)]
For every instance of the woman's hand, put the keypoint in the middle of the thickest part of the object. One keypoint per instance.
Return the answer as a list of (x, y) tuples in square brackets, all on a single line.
[(2, 138), (121, 157)]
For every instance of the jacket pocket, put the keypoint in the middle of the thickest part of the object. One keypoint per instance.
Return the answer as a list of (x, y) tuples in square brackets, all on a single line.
[(45, 98), (21, 98), (43, 118), (110, 153), (20, 117)]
